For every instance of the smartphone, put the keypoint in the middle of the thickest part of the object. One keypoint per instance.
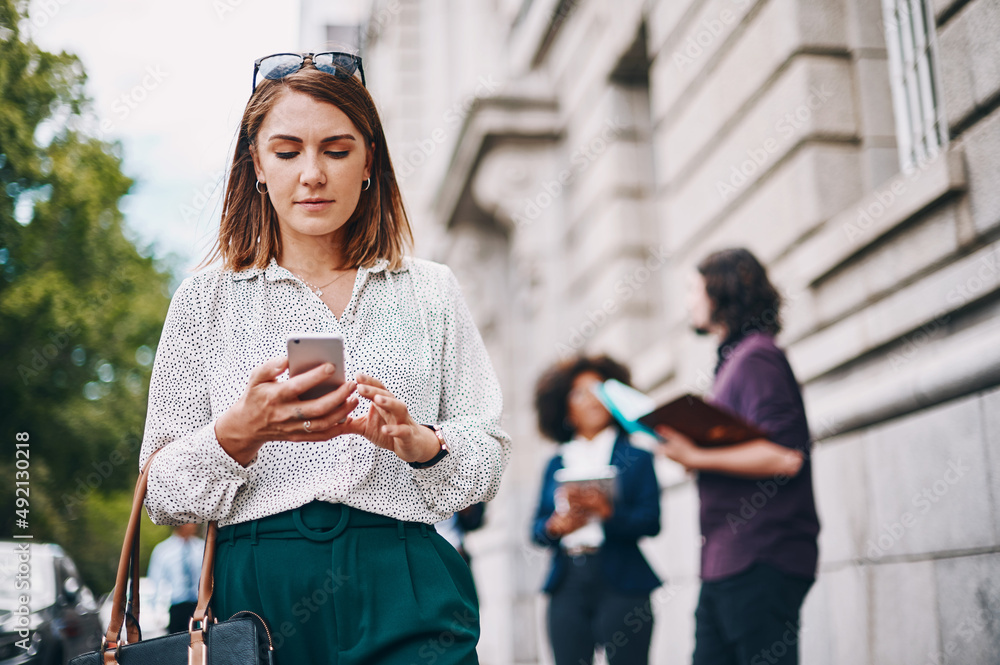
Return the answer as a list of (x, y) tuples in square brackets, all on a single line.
[(309, 350)]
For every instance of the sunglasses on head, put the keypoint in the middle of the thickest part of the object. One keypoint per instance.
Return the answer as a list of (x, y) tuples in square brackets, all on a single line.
[(280, 65)]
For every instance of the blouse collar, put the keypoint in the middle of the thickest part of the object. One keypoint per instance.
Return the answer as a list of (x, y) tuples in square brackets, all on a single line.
[(274, 272)]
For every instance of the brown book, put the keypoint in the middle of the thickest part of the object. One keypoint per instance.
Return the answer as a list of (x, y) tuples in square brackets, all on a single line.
[(705, 424)]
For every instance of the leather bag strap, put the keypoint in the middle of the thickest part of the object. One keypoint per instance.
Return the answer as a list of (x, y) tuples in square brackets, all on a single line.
[(128, 567)]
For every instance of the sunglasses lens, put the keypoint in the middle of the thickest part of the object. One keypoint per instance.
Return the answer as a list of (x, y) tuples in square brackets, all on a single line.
[(279, 66), (339, 64)]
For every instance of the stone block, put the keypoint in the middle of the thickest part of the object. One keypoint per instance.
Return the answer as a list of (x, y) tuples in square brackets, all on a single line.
[(927, 478), (789, 198), (990, 405), (813, 96), (982, 145), (624, 334), (904, 613), (664, 20), (840, 484), (690, 51), (847, 591), (743, 70), (957, 85), (816, 639), (968, 596), (982, 19), (931, 239), (814, 183), (917, 308), (864, 25), (921, 369), (601, 170), (618, 226), (875, 101), (779, 30), (883, 268)]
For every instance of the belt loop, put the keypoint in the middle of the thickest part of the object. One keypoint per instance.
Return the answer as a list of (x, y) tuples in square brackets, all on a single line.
[(253, 532), (401, 530), (423, 530)]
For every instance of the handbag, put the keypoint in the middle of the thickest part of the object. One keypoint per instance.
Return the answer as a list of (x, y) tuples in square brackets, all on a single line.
[(243, 639)]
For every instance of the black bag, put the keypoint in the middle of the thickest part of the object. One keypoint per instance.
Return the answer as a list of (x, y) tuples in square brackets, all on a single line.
[(243, 639)]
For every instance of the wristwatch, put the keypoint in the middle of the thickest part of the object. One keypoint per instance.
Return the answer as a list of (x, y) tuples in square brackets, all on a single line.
[(441, 453)]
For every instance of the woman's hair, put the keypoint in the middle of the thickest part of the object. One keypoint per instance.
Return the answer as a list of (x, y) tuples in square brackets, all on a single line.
[(743, 298), (553, 387), (378, 228)]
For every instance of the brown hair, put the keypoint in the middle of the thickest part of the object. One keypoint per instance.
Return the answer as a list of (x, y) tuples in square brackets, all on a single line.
[(552, 391), (743, 298), (378, 228)]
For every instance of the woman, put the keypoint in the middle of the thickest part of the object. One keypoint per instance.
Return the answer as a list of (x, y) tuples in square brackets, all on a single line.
[(758, 518), (599, 581), (324, 504)]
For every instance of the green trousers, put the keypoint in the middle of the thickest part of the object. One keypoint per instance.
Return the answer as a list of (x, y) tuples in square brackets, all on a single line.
[(342, 586)]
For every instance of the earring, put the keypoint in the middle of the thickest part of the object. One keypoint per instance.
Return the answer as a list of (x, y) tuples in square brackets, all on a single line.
[(259, 190), (258, 239), (367, 185)]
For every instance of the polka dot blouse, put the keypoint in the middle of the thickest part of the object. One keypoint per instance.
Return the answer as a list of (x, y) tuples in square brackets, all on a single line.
[(410, 328)]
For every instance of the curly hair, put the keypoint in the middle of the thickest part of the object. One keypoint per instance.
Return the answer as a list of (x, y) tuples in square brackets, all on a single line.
[(743, 298), (553, 388)]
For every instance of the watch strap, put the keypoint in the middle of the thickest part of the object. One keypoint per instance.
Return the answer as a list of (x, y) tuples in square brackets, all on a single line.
[(441, 453)]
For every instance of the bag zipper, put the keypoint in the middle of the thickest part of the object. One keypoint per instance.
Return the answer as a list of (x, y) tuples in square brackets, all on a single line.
[(270, 647)]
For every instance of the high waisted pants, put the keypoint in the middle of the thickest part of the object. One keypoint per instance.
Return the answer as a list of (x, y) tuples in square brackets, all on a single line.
[(342, 586)]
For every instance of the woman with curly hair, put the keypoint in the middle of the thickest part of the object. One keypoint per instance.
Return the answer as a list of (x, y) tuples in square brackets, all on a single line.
[(599, 582)]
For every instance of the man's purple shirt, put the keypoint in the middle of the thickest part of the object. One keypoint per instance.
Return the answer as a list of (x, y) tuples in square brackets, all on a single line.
[(773, 520)]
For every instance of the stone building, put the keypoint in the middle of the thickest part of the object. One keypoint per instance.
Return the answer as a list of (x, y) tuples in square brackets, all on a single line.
[(572, 160)]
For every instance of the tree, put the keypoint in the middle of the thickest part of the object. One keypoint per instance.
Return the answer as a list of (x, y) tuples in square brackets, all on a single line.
[(80, 310)]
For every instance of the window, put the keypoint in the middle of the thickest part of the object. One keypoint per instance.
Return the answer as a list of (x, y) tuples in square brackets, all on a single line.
[(909, 38)]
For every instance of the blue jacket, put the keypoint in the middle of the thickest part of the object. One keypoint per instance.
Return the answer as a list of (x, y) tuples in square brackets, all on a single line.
[(636, 514)]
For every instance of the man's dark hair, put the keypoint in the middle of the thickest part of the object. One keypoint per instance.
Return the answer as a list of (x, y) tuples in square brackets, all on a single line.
[(743, 298), (552, 391)]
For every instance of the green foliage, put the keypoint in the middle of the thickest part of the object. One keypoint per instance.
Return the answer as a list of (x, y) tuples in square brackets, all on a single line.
[(80, 310)]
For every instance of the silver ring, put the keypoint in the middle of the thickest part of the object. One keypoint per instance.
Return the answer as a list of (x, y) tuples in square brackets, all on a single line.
[(307, 425)]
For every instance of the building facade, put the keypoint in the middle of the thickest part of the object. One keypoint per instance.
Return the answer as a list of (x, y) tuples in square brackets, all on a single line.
[(572, 160)]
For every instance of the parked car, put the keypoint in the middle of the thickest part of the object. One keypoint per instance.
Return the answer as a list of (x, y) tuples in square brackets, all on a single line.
[(155, 615), (59, 619)]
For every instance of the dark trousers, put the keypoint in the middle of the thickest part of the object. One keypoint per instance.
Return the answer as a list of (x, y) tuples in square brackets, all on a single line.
[(585, 613), (180, 614), (750, 618), (340, 585)]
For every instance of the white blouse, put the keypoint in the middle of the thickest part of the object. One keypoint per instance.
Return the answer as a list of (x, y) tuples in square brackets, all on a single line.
[(409, 328)]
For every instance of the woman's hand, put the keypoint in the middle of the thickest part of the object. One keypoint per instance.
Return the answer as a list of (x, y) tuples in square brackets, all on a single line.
[(560, 524), (589, 500), (678, 447), (272, 411), (388, 424)]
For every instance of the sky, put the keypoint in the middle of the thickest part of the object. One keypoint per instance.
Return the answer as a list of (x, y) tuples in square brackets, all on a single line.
[(169, 81)]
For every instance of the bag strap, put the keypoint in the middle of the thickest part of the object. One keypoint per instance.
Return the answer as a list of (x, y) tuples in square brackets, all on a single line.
[(128, 571), (197, 627)]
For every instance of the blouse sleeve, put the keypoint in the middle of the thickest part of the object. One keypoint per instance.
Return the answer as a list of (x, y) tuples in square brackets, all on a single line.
[(193, 479), (469, 415)]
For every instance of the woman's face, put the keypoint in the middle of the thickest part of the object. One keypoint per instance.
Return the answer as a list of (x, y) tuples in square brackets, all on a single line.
[(313, 160), (585, 412)]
